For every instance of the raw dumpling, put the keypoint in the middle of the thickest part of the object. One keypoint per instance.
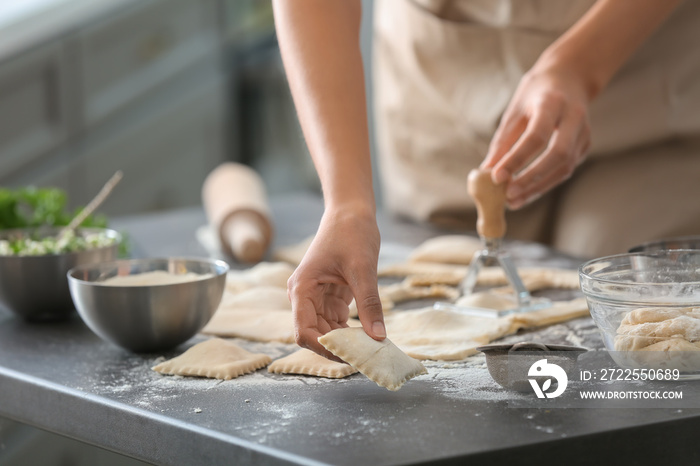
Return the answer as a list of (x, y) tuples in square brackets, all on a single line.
[(216, 359), (307, 362), (381, 361)]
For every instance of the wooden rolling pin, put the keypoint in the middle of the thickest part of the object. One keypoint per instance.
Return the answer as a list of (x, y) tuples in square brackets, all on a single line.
[(236, 205), (490, 200)]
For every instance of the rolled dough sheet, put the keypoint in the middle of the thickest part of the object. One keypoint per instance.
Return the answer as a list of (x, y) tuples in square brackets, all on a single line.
[(381, 361), (263, 274), (399, 292), (442, 335), (260, 297), (216, 359), (445, 335), (307, 362), (447, 249), (293, 253), (253, 324)]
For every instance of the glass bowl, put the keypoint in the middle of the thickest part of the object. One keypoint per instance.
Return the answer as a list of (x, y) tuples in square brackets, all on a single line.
[(647, 307)]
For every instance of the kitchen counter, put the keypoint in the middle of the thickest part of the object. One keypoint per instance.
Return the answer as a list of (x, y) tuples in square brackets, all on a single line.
[(62, 378)]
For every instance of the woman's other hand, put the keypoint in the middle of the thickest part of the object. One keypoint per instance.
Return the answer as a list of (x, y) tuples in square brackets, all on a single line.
[(543, 136)]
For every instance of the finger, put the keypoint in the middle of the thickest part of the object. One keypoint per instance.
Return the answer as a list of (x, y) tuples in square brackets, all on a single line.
[(306, 326), (535, 138), (309, 339), (369, 306), (509, 131), (560, 157)]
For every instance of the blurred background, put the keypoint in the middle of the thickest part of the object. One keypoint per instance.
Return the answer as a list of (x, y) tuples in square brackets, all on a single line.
[(164, 90)]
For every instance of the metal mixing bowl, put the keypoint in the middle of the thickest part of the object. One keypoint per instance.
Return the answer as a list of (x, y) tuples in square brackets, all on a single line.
[(616, 285), (35, 287), (153, 317), (681, 242)]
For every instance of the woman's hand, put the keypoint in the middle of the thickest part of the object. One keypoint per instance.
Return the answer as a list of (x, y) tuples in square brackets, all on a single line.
[(340, 264), (543, 136)]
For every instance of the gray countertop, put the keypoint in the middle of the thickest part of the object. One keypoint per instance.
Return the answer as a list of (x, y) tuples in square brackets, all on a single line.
[(62, 378)]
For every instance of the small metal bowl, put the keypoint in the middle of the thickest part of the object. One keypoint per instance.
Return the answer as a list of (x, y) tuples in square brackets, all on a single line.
[(35, 287), (152, 317), (509, 364), (681, 242)]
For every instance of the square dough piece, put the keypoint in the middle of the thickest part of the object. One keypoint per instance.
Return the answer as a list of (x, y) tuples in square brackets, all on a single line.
[(306, 362), (216, 359), (447, 249), (381, 361)]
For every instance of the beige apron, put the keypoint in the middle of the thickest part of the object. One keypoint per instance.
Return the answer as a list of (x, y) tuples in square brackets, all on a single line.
[(444, 71)]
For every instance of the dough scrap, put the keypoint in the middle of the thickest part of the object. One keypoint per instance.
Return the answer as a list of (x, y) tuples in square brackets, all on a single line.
[(216, 359), (263, 274), (437, 278), (404, 269), (381, 361), (260, 297), (658, 337), (489, 300), (294, 253), (560, 311), (307, 362), (447, 249), (534, 278), (686, 327), (255, 324), (399, 292)]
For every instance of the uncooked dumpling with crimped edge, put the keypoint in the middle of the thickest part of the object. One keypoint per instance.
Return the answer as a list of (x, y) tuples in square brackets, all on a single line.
[(381, 361), (306, 362), (215, 359)]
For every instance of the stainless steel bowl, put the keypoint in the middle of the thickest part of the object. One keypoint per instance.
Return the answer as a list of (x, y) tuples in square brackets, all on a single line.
[(35, 287), (153, 317)]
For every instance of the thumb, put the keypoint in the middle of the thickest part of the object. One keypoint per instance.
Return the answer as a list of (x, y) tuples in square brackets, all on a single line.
[(369, 308)]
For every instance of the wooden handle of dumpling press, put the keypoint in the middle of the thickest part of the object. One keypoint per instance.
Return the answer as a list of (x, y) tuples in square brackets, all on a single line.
[(490, 200)]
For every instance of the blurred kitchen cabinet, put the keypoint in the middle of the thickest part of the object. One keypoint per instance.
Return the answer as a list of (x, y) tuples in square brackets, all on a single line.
[(137, 86), (165, 152), (33, 115), (126, 56)]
